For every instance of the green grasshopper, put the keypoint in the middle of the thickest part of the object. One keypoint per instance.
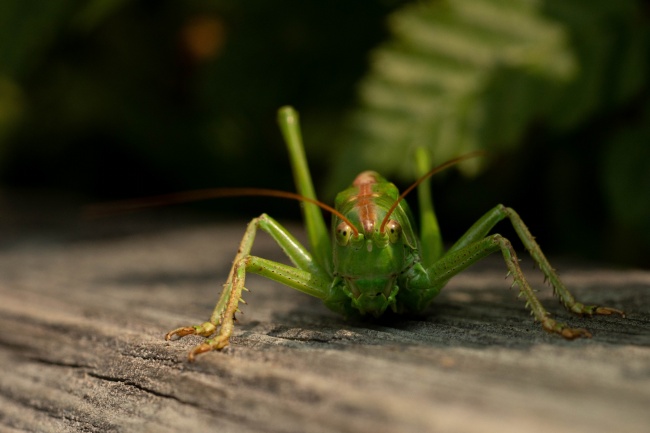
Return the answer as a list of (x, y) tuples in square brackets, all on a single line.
[(373, 261)]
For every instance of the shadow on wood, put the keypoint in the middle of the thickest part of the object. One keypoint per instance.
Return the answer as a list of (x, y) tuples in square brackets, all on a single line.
[(82, 349)]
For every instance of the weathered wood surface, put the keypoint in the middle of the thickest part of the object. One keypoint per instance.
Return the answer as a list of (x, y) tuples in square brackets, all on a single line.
[(81, 348)]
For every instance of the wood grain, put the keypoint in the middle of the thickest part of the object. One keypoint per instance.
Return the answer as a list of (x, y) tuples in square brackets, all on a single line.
[(83, 312)]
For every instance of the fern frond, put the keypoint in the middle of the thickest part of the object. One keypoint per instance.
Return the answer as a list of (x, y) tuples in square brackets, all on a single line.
[(464, 75)]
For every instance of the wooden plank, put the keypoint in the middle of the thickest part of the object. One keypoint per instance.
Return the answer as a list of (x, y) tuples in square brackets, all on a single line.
[(83, 316)]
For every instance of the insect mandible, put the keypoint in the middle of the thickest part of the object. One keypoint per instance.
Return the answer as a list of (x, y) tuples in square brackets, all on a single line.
[(373, 261)]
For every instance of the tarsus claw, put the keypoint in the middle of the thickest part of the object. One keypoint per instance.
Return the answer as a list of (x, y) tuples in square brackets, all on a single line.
[(202, 348), (216, 343), (572, 333), (180, 332), (606, 311), (205, 330), (551, 325)]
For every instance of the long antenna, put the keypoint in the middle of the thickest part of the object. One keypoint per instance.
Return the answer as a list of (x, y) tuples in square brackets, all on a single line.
[(126, 206), (424, 177)]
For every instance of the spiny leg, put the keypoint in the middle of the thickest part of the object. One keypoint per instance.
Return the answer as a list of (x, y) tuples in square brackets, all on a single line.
[(559, 289), (532, 302), (463, 257), (308, 278), (482, 227), (223, 313)]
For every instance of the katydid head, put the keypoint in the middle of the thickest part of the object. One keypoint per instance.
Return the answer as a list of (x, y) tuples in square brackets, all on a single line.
[(377, 241), (367, 259)]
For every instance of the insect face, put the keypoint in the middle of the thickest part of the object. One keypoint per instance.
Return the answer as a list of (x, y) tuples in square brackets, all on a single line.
[(372, 287)]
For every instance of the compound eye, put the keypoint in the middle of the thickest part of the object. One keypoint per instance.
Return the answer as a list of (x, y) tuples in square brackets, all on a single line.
[(343, 234), (394, 231)]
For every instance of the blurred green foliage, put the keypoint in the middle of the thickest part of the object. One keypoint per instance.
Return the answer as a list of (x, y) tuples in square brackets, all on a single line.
[(137, 97), (115, 98)]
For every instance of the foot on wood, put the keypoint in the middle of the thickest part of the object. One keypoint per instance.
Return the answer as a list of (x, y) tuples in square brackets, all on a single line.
[(590, 310), (565, 331), (216, 343), (606, 311), (205, 330)]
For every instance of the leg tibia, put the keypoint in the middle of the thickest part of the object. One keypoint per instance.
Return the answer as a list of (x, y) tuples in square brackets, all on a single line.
[(460, 259), (486, 223), (308, 277), (532, 301), (559, 289)]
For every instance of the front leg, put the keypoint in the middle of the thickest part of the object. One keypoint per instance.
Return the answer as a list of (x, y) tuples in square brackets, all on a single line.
[(436, 276), (422, 282), (486, 223), (308, 277)]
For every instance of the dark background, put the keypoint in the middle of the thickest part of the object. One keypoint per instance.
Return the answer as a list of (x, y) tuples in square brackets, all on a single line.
[(112, 99)]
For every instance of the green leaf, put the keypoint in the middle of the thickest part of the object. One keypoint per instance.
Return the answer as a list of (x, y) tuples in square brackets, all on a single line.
[(458, 76), (443, 82)]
